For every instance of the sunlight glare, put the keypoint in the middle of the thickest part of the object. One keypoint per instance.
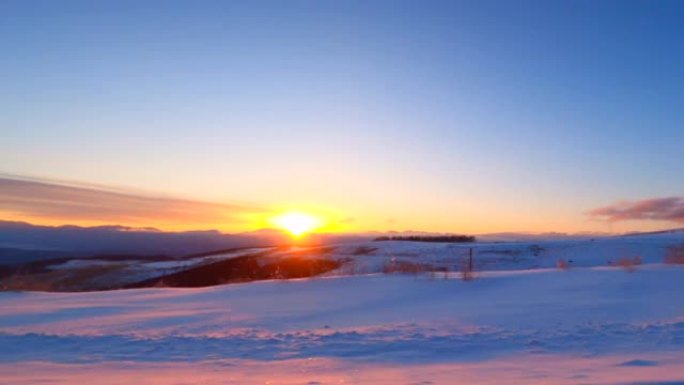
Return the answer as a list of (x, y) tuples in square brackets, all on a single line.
[(297, 223)]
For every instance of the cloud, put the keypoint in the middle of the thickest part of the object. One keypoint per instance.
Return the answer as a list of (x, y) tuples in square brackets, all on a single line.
[(44, 199), (656, 209)]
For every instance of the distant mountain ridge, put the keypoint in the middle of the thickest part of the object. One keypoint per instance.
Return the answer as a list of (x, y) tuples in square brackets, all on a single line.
[(21, 241), (120, 239)]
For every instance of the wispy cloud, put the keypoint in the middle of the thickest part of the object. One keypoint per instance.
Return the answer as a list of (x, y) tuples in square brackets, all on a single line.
[(658, 209), (44, 199)]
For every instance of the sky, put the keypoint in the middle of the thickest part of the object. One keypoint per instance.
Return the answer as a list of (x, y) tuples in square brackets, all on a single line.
[(454, 116)]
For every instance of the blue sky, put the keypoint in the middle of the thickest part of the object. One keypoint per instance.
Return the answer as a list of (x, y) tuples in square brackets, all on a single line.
[(445, 116)]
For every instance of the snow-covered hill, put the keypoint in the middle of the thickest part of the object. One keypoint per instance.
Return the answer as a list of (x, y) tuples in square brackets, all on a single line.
[(347, 258), (601, 325), (521, 320)]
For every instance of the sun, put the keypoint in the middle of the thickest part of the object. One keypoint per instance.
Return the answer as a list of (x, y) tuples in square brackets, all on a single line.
[(296, 223)]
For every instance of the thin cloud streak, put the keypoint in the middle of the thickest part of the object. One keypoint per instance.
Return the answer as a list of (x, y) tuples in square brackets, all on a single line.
[(43, 199), (656, 209)]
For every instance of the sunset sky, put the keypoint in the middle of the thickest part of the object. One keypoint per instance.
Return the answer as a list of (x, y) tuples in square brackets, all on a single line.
[(455, 116)]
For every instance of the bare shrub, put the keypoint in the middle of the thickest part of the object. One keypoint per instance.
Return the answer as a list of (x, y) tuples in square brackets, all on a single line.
[(364, 250), (428, 238), (467, 267), (536, 250), (467, 275), (628, 263), (675, 255), (562, 264), (20, 282)]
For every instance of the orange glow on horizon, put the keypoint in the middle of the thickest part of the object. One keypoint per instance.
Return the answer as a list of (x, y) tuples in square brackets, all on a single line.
[(320, 219)]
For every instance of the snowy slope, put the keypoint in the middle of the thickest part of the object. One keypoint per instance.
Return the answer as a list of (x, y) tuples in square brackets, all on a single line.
[(349, 258), (600, 325), (371, 257)]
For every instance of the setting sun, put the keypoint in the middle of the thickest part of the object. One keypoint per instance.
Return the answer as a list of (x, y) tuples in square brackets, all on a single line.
[(297, 223)]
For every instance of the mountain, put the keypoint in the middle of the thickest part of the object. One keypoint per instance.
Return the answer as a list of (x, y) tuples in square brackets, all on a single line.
[(78, 240), (23, 242)]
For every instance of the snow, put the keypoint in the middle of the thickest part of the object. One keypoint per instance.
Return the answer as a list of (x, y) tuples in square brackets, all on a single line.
[(519, 322), (128, 271), (540, 369), (585, 252), (102, 273)]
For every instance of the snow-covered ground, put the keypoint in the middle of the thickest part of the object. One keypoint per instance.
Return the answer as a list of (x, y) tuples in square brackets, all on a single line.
[(348, 258), (593, 325), (370, 257)]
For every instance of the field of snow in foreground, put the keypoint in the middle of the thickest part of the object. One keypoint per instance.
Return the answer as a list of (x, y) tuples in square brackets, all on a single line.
[(595, 325)]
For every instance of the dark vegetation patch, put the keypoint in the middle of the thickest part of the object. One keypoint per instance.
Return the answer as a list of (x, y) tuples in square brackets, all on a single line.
[(511, 252), (46, 265), (429, 238), (43, 275), (43, 266), (675, 255), (82, 279), (536, 250), (364, 250), (242, 269)]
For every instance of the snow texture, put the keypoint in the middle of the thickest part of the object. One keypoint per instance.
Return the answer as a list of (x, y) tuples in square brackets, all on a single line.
[(521, 321)]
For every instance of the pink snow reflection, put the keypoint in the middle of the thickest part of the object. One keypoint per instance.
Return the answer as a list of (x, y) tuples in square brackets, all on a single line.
[(527, 369)]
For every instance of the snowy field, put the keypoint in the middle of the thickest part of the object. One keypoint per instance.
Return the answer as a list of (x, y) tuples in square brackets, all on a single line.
[(520, 321), (107, 272)]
